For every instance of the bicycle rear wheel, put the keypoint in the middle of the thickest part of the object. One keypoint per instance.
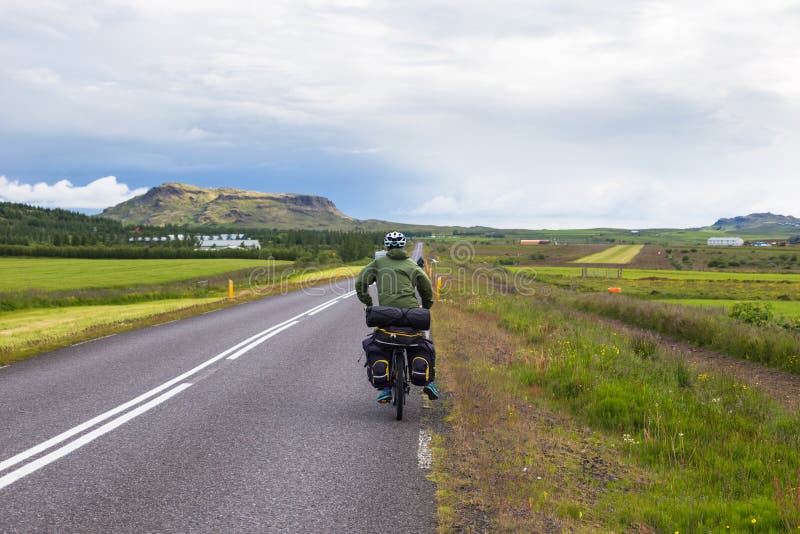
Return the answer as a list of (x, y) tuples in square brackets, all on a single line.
[(399, 382)]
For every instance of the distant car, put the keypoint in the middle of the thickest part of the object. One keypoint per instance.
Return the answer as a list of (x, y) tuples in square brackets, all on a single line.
[(379, 253)]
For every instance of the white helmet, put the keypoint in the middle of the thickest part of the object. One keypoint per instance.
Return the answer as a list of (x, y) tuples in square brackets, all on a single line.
[(394, 240)]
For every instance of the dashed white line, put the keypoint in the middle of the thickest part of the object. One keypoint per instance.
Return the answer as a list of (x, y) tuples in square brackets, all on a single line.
[(261, 340), (37, 464)]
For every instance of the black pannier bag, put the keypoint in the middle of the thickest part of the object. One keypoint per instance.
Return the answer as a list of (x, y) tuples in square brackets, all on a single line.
[(417, 318), (377, 362), (422, 363), (421, 355)]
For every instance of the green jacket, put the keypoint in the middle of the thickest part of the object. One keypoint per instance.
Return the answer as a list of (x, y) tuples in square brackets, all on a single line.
[(397, 276)]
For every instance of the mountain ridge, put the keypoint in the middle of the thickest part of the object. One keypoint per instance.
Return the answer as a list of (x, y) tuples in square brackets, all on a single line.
[(185, 204), (757, 222)]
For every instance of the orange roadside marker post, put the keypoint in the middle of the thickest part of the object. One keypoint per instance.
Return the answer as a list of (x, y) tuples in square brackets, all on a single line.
[(230, 289)]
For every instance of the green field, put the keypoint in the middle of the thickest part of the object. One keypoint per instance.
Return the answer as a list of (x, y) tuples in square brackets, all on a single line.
[(59, 274), (634, 274), (619, 254), (787, 309)]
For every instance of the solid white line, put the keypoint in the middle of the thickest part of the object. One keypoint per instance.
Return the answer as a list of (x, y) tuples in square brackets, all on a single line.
[(24, 455), (33, 451), (263, 339), (323, 308), (424, 456), (37, 464), (93, 339)]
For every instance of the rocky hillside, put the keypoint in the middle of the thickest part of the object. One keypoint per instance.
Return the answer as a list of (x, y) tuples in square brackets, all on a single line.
[(759, 223), (188, 205)]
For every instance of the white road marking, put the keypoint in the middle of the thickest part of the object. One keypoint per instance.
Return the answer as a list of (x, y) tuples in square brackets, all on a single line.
[(33, 451), (261, 340), (24, 455), (424, 456), (323, 308), (3, 366), (93, 339), (37, 464)]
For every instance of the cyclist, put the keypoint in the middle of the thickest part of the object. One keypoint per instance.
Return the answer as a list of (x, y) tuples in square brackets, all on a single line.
[(396, 276)]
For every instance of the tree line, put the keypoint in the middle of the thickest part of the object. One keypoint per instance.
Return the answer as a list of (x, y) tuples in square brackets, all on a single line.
[(32, 231)]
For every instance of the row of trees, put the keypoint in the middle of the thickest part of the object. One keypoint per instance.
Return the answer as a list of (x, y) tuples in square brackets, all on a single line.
[(32, 231)]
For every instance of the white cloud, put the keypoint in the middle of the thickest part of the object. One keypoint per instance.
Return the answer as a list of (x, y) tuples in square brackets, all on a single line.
[(523, 113), (98, 194), (38, 76)]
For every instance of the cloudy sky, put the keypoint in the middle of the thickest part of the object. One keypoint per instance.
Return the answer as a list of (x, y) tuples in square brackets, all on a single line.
[(537, 114)]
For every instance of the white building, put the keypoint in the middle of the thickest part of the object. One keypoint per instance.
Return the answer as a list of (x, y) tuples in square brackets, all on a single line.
[(218, 244), (725, 241)]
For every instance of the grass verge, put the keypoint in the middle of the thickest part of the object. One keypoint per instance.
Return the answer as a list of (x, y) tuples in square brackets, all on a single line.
[(565, 424), (22, 329)]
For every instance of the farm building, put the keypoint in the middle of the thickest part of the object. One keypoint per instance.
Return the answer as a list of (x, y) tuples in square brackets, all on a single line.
[(216, 244), (534, 241), (725, 241)]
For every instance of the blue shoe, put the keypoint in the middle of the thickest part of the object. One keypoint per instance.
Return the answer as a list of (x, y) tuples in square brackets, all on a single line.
[(385, 395), (432, 390)]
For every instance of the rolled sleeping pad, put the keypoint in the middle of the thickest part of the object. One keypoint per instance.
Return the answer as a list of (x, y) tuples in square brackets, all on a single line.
[(378, 316)]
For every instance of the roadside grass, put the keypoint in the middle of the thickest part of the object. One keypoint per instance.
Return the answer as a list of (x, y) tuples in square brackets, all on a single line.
[(61, 274), (668, 449), (333, 273), (29, 332), (619, 254), (510, 462)]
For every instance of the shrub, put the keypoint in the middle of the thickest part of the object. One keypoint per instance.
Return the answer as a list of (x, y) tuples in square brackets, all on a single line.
[(752, 312)]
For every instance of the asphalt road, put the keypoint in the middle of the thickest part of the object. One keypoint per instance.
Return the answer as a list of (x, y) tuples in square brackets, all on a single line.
[(213, 424)]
